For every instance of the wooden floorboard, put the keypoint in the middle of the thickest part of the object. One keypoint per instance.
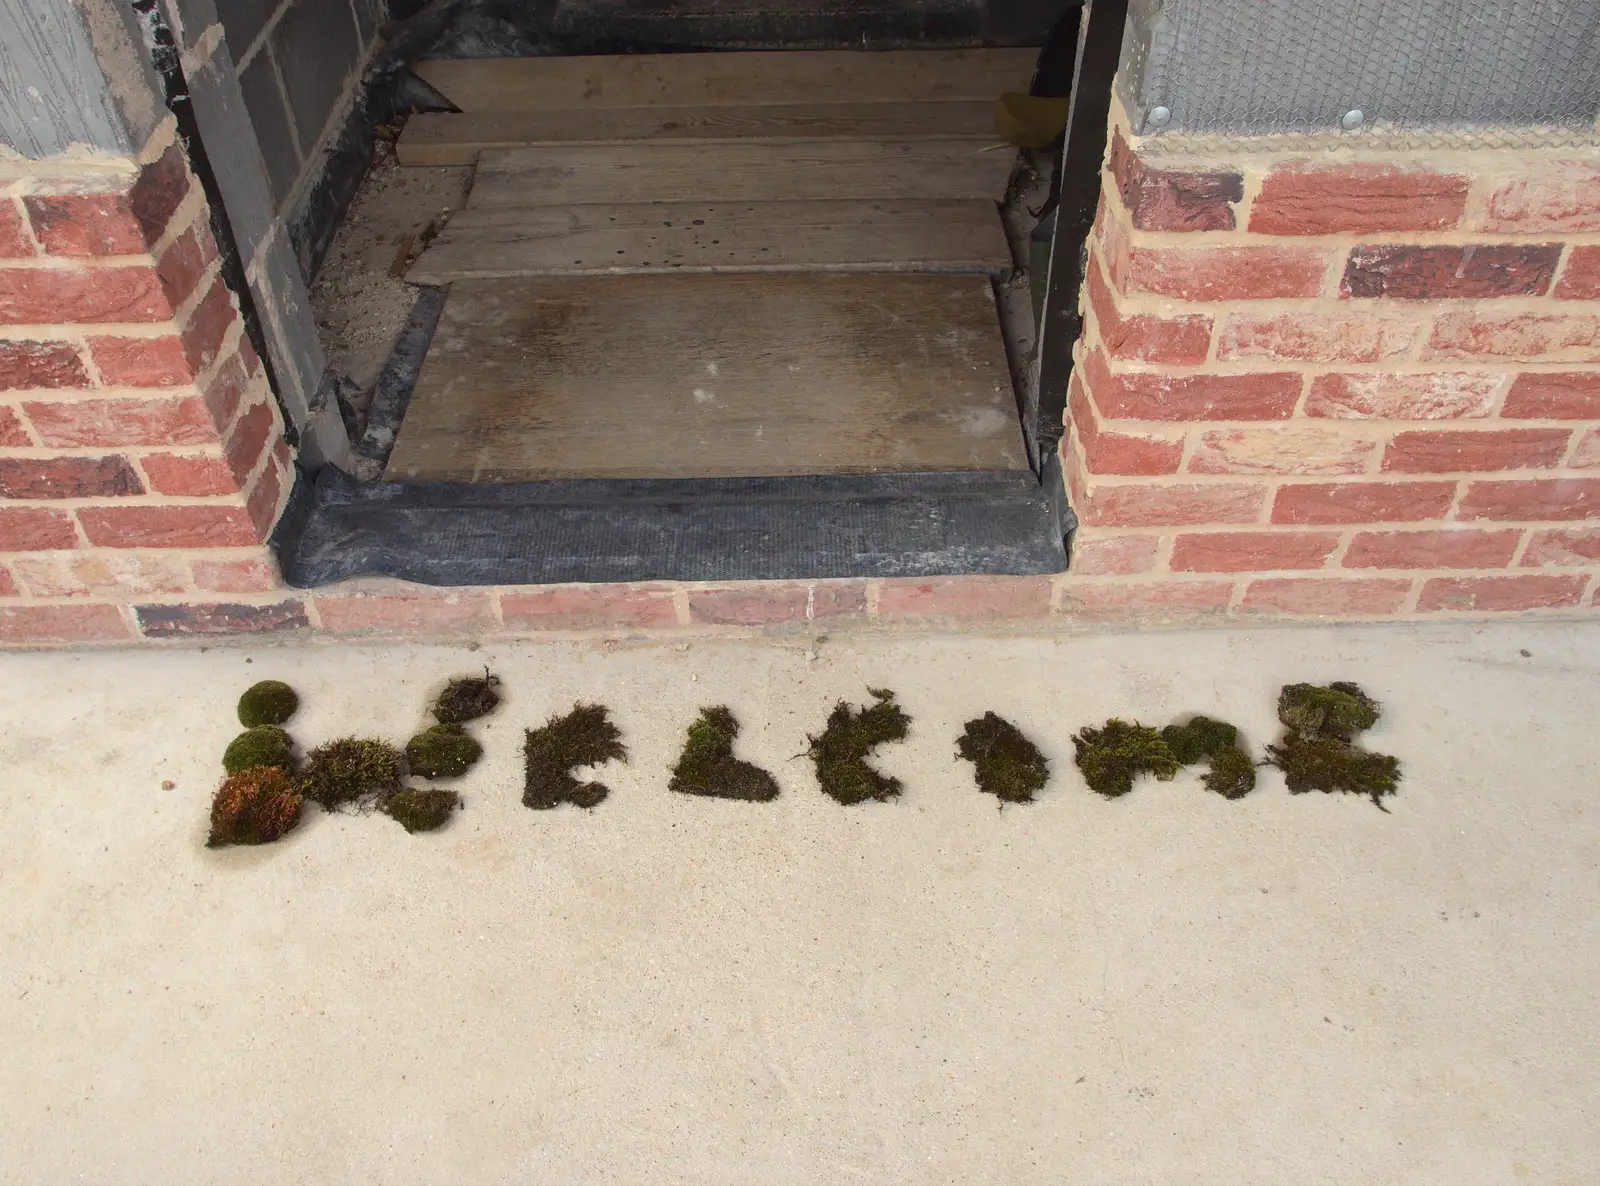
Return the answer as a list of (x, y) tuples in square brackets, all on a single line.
[(590, 174), (729, 79), (642, 238), (711, 376), (457, 139)]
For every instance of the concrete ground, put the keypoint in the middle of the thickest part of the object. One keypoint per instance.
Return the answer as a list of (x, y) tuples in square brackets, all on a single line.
[(1169, 988)]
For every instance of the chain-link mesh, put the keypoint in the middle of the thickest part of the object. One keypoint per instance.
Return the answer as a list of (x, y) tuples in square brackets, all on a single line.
[(1433, 72)]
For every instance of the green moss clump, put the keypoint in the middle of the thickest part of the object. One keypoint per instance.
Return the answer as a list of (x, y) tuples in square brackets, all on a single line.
[(1329, 764), (444, 751), (1339, 710), (1198, 738), (270, 702), (467, 699), (254, 806), (264, 745), (1112, 757), (840, 754), (1318, 753), (418, 810), (584, 737), (707, 765), (351, 771), (1007, 765), (1232, 773)]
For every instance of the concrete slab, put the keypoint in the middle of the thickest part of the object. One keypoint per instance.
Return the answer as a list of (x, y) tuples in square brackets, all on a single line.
[(1169, 988)]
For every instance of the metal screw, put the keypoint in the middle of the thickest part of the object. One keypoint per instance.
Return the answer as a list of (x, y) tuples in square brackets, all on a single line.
[(1159, 117), (1352, 120)]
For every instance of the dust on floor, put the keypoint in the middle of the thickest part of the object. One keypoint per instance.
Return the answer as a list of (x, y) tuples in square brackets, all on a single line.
[(360, 300)]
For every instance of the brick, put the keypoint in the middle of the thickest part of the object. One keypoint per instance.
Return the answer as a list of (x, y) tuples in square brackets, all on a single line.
[(1315, 337), (1501, 594), (159, 191), (1164, 504), (208, 326), (253, 575), (1171, 200), (249, 439), (985, 598), (14, 240), (1251, 551), (31, 529), (188, 475), (1554, 395), (466, 611), (1289, 449), (210, 620), (1580, 278), (1143, 600), (838, 602), (1428, 273), (1450, 548), (1447, 452), (226, 392), (1482, 333), (1225, 273), (266, 496), (1140, 336), (1562, 197), (84, 224), (62, 624), (1532, 499), (1573, 547), (12, 434), (101, 574), (67, 477), (1326, 596), (168, 527), (1443, 396), (590, 607), (1359, 198), (66, 296), (1119, 453), (1113, 555), (172, 421), (1587, 454), (1362, 502), (773, 605), (182, 267), (40, 365), (141, 362), (1145, 396), (8, 584)]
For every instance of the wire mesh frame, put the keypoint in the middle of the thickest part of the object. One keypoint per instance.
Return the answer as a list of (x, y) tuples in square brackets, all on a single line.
[(1392, 73)]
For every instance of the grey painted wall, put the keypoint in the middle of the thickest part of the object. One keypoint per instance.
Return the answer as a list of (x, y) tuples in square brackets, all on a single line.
[(74, 75)]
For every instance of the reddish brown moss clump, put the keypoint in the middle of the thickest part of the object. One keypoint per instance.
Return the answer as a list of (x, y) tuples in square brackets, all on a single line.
[(1007, 765), (467, 699), (584, 737), (254, 806), (351, 771), (840, 754), (708, 767)]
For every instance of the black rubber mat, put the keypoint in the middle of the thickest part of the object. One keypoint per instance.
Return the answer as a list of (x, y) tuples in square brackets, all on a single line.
[(727, 529)]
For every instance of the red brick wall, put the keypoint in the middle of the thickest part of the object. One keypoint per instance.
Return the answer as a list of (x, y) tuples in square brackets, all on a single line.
[(1349, 385), (142, 461)]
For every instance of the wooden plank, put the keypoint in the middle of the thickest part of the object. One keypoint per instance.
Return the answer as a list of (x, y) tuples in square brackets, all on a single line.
[(711, 376), (450, 139), (643, 238), (580, 175), (729, 79)]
